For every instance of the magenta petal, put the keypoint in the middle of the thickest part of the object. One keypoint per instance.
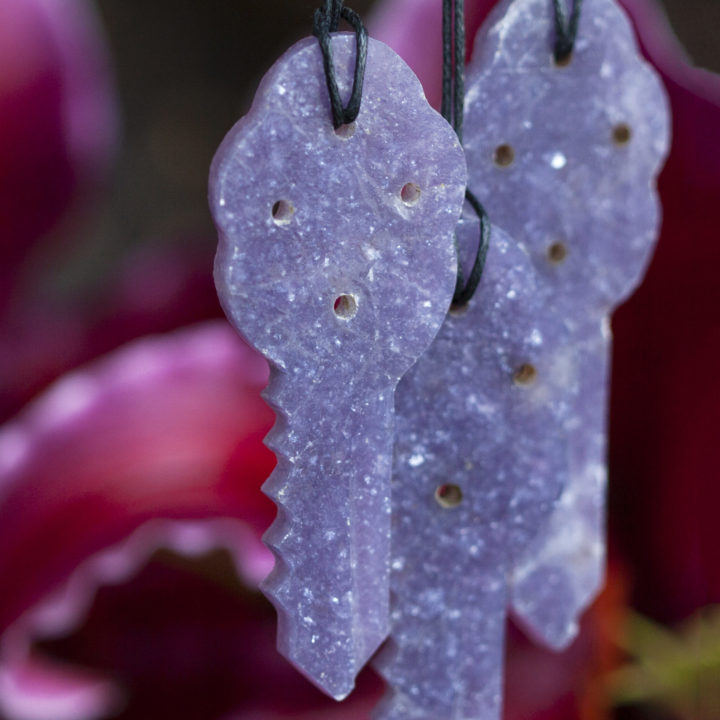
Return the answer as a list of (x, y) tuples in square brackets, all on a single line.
[(89, 109), (154, 290), (181, 639), (412, 28), (37, 689), (166, 427), (57, 116), (66, 607)]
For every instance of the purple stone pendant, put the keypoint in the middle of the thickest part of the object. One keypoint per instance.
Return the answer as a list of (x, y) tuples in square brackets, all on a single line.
[(500, 471), (567, 162), (477, 472), (337, 262)]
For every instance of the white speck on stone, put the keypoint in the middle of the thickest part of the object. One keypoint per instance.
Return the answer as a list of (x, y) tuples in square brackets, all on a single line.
[(558, 161), (370, 252), (416, 460)]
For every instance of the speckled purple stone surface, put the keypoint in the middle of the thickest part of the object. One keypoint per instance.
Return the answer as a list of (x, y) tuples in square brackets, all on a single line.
[(564, 567), (565, 159), (341, 286), (467, 415)]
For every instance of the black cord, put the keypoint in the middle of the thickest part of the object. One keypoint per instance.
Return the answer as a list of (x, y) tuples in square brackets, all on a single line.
[(465, 290), (566, 30), (326, 21), (453, 99), (453, 95)]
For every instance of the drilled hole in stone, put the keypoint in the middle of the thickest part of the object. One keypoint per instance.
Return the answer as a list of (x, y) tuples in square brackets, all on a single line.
[(622, 134), (346, 131), (525, 374), (562, 62), (557, 252), (504, 155), (458, 310), (282, 212), (448, 495), (410, 194), (345, 307)]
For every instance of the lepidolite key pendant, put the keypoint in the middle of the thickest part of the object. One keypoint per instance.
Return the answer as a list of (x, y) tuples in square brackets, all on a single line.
[(337, 262), (502, 419), (565, 157), (478, 469)]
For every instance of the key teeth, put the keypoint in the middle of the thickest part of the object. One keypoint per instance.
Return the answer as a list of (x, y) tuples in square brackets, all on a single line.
[(278, 586), (278, 535), (278, 438), (278, 530), (331, 666), (276, 487), (274, 587), (277, 484), (275, 439)]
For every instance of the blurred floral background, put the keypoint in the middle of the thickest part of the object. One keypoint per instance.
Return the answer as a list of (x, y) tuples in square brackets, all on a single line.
[(130, 444)]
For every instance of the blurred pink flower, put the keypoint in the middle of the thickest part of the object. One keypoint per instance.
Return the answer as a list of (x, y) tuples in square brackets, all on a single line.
[(58, 128), (57, 118), (159, 444), (155, 289), (148, 432)]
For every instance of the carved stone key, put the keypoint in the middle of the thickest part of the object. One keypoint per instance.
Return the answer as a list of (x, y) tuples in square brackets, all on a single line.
[(336, 261)]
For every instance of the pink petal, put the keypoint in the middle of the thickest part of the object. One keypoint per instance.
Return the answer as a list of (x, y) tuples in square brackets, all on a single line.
[(57, 117), (185, 639), (167, 427), (154, 290), (64, 609), (38, 689), (413, 29), (33, 688), (89, 108)]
